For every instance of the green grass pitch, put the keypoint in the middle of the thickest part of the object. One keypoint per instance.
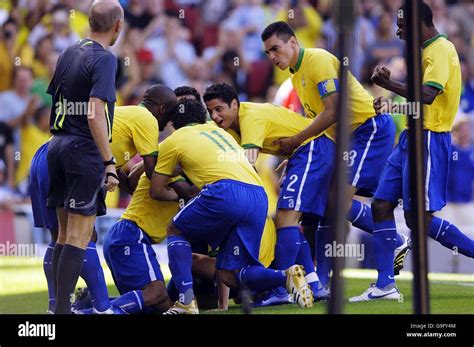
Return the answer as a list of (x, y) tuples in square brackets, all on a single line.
[(23, 291)]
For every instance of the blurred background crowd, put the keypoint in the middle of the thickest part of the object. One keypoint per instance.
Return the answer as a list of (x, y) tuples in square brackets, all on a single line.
[(196, 43)]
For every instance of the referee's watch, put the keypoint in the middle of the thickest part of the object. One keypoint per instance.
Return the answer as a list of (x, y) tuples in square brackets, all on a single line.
[(109, 162)]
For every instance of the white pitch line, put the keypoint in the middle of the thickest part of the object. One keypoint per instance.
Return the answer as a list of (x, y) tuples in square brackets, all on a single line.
[(408, 276)]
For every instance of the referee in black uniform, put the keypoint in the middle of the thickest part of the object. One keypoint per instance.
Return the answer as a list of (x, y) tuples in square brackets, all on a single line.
[(80, 161)]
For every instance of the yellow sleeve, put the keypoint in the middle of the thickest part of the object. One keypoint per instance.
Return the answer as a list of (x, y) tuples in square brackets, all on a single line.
[(253, 132), (168, 158), (324, 75), (436, 73), (175, 179), (145, 136)]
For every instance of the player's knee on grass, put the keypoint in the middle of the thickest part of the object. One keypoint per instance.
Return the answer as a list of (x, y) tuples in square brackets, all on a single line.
[(287, 218), (382, 210), (154, 294), (171, 230)]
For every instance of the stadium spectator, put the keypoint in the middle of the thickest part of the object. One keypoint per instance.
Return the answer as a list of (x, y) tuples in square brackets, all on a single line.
[(137, 15), (172, 53), (467, 96), (229, 39), (386, 46), (8, 51), (18, 103), (461, 169), (7, 156), (57, 24), (306, 22), (232, 73), (43, 50), (247, 16)]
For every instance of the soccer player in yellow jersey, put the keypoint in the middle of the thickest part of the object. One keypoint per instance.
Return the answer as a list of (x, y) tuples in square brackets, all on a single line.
[(135, 129), (314, 75), (305, 188), (441, 95), (229, 212), (129, 253)]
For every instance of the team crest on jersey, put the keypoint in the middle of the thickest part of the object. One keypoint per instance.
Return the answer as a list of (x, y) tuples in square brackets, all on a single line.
[(303, 82)]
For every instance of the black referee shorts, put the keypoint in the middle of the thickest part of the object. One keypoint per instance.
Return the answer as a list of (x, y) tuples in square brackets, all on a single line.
[(76, 172)]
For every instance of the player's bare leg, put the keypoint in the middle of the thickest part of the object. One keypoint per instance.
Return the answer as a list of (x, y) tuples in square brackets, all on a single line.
[(78, 234), (155, 295)]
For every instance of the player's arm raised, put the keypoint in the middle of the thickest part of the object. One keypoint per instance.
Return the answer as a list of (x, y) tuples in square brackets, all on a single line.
[(381, 77)]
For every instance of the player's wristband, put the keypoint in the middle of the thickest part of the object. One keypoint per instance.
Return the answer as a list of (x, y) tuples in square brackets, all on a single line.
[(108, 174), (109, 162)]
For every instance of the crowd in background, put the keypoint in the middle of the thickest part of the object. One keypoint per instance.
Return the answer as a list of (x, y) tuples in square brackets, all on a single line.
[(197, 43)]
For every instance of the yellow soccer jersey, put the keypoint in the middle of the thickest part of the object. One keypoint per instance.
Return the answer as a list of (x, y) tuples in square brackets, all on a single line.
[(316, 76), (266, 253), (150, 215), (135, 130), (207, 154), (441, 69), (266, 173), (261, 124)]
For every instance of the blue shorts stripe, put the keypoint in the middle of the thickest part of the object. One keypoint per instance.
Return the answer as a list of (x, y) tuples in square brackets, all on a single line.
[(305, 174), (364, 155), (428, 172), (151, 271)]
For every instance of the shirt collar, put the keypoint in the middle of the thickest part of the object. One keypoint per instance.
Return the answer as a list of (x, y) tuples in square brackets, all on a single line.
[(298, 62)]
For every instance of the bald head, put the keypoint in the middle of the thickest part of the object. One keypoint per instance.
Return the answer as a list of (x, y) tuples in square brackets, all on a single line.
[(104, 15)]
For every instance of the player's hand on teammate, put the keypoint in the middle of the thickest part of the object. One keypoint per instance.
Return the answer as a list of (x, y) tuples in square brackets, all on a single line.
[(287, 145), (380, 105), (135, 173), (111, 178), (381, 75)]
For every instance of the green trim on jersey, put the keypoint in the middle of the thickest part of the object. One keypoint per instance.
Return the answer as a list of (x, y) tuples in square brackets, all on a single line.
[(433, 39), (298, 62), (435, 85), (250, 145)]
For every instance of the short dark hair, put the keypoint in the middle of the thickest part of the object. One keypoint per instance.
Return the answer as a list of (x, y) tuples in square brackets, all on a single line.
[(425, 11), (281, 29), (188, 111), (161, 95), (103, 16), (186, 90), (426, 14), (221, 91)]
